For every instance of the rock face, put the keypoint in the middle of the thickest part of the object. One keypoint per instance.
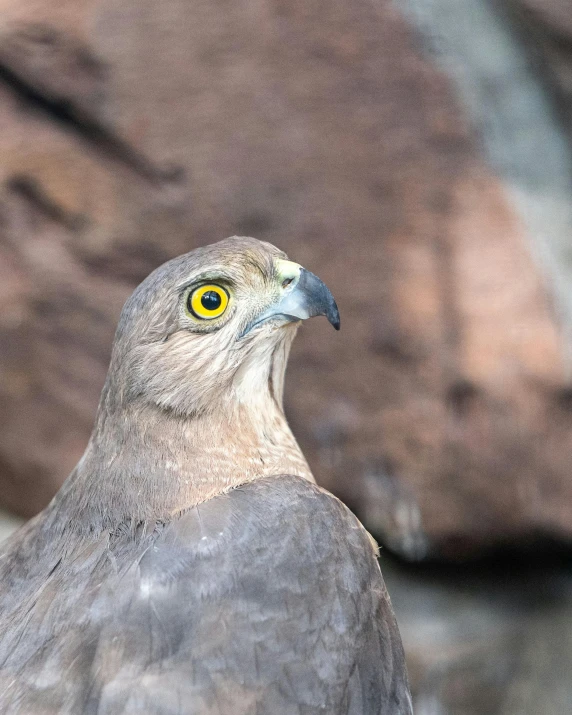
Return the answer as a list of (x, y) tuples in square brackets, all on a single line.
[(547, 28), (496, 640), (133, 130)]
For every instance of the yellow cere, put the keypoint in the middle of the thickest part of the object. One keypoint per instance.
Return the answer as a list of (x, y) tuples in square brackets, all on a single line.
[(208, 302)]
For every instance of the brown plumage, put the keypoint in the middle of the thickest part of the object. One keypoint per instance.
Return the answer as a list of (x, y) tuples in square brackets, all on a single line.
[(189, 564)]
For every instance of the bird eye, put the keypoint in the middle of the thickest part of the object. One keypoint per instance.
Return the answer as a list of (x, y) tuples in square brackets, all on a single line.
[(207, 302)]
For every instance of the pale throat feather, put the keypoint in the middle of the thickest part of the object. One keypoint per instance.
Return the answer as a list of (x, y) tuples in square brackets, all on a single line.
[(257, 393), (252, 438)]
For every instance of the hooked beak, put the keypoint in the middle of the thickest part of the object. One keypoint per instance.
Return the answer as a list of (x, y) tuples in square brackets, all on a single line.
[(305, 296)]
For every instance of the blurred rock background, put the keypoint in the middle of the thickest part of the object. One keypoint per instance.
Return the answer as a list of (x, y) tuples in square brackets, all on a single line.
[(417, 155)]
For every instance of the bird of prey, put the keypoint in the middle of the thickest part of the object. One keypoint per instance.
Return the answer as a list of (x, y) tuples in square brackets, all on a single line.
[(190, 564)]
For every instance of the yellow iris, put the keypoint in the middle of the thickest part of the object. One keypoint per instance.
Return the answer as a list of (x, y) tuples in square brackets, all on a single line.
[(208, 302)]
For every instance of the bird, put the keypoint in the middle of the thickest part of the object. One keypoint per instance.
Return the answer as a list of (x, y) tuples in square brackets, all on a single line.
[(190, 564)]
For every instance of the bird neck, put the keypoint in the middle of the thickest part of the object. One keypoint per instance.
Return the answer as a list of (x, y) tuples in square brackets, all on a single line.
[(146, 463)]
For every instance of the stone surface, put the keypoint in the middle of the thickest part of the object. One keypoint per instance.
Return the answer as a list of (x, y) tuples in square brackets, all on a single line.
[(511, 109), (132, 130), (492, 640), (547, 32)]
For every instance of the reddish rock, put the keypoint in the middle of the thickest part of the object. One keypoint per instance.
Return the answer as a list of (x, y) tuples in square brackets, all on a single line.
[(144, 129)]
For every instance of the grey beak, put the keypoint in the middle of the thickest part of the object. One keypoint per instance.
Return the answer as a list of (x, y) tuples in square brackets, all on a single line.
[(306, 297)]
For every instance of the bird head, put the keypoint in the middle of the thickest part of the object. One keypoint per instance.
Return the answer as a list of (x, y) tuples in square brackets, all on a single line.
[(214, 324)]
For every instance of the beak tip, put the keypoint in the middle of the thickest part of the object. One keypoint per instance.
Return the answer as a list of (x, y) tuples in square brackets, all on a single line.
[(333, 315)]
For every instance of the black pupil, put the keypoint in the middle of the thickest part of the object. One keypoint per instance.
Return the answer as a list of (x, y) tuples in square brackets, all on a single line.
[(211, 300)]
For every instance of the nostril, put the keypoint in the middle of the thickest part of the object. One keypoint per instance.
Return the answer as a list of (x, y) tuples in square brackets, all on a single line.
[(286, 282)]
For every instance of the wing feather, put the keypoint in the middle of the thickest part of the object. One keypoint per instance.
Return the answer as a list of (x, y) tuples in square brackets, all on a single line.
[(268, 599)]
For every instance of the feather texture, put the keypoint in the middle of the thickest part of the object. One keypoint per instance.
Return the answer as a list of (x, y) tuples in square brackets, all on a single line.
[(267, 599), (175, 572)]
